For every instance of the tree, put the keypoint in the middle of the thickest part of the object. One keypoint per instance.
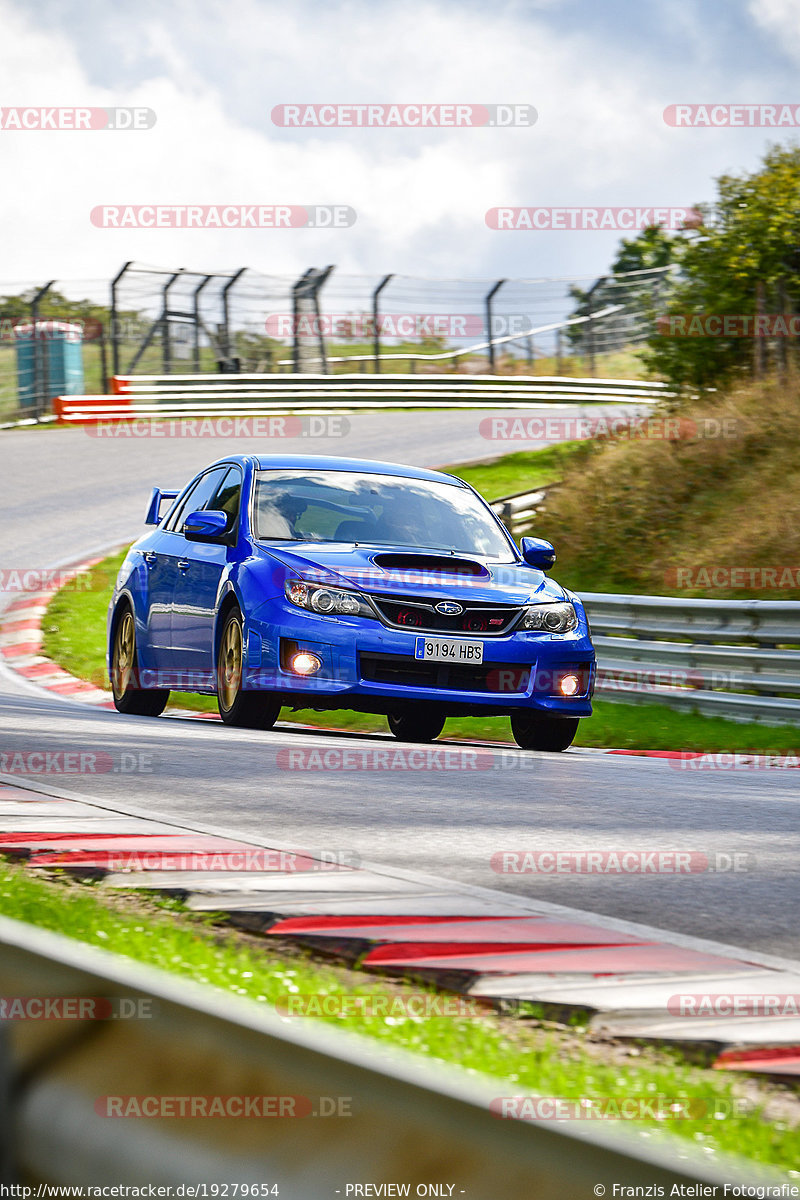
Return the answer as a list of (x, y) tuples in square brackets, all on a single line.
[(749, 236)]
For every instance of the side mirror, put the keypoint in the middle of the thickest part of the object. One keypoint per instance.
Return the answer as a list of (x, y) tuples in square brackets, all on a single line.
[(538, 553), (206, 526)]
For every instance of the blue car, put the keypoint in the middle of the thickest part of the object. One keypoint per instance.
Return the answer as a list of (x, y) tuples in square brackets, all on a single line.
[(323, 583)]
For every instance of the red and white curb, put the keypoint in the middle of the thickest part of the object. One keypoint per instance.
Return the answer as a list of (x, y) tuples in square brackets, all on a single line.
[(639, 982)]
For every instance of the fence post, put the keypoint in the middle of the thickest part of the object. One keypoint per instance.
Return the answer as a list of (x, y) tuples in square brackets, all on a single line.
[(226, 315), (319, 278), (114, 324), (376, 332), (196, 311), (166, 348), (590, 323), (489, 331)]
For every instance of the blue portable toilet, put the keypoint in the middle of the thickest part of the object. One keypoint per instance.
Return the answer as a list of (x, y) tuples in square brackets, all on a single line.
[(49, 363)]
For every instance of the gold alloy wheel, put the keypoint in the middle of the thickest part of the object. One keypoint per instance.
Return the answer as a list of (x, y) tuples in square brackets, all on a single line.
[(229, 672), (124, 651)]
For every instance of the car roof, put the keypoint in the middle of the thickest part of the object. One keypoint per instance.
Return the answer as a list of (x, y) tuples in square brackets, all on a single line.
[(322, 462)]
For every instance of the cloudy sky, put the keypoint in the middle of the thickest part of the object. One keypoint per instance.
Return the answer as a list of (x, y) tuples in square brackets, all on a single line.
[(599, 75)]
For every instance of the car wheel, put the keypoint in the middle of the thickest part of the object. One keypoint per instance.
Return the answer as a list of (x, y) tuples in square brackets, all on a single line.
[(416, 727), (251, 710), (535, 732), (128, 696)]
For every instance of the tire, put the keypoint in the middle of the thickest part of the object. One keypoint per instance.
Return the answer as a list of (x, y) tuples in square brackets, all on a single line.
[(416, 727), (533, 731), (248, 710), (128, 696)]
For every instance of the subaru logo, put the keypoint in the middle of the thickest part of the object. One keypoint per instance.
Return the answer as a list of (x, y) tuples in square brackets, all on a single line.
[(449, 608)]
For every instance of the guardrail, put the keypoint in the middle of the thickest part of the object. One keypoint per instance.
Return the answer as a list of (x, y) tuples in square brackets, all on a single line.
[(520, 509), (168, 396), (727, 658), (409, 1120), (690, 654)]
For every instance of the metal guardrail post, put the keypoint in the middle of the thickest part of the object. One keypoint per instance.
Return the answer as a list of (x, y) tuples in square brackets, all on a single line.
[(490, 295), (376, 329)]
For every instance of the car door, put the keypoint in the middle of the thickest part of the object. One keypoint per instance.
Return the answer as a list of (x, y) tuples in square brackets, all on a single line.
[(200, 570), (163, 559)]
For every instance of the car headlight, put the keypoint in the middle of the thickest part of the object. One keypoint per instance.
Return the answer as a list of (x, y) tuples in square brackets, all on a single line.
[(326, 601), (550, 618)]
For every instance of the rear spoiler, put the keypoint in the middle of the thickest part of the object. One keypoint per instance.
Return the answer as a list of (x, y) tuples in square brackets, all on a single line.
[(154, 508)]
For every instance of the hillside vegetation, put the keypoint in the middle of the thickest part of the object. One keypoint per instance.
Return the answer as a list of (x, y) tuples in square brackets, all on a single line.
[(725, 495)]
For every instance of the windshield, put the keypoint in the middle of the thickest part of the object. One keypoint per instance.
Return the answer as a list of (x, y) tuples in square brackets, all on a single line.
[(344, 506)]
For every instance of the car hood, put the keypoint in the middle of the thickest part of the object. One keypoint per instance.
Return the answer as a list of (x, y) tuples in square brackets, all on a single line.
[(417, 573)]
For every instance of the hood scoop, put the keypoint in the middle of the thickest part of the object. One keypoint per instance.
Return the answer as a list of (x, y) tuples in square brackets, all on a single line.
[(439, 563)]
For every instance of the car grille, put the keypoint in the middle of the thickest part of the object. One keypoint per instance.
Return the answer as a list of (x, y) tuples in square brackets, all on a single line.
[(415, 612), (497, 678)]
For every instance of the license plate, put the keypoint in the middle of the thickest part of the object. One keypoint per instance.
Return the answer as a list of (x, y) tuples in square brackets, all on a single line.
[(449, 650)]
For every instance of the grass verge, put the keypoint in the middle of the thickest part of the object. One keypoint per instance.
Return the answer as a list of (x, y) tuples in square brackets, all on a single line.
[(753, 1118), (74, 636)]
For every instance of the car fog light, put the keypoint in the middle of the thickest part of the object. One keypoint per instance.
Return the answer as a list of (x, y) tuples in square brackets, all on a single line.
[(304, 663), (569, 685)]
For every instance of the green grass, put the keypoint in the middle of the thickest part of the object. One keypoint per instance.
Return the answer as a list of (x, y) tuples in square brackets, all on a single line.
[(523, 471), (525, 1053), (74, 636)]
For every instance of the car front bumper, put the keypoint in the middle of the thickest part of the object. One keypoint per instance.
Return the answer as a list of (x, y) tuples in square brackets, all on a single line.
[(369, 666)]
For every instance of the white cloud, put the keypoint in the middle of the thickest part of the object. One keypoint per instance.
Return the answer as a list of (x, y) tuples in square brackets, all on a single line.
[(781, 18), (213, 71)]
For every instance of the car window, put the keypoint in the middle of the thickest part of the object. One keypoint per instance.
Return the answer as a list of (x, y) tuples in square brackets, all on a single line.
[(227, 497), (196, 498)]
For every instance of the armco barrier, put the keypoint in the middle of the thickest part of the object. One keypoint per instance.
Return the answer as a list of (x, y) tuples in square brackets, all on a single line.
[(167, 396), (729, 658), (410, 1121)]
